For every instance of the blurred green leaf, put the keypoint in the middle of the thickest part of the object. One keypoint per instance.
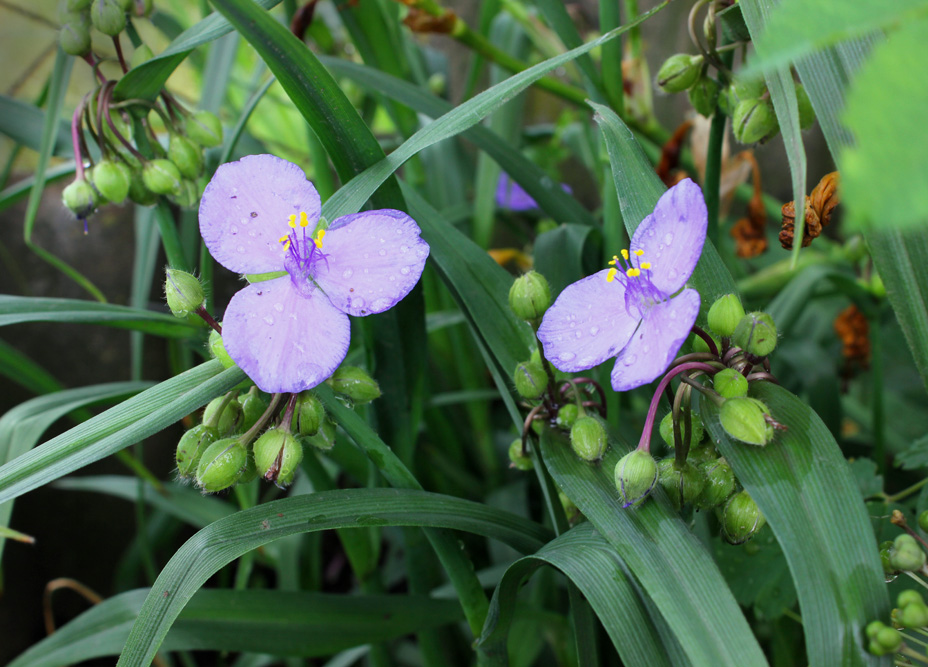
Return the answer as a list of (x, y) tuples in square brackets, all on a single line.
[(567, 253), (915, 457), (865, 474), (24, 371), (24, 123), (758, 574)]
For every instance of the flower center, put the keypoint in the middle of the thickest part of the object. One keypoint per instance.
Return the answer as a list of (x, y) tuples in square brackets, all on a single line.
[(640, 293), (303, 252)]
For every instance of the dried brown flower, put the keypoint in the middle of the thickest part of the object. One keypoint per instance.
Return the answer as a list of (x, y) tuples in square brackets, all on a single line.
[(853, 329), (750, 233), (670, 156), (418, 20), (818, 209)]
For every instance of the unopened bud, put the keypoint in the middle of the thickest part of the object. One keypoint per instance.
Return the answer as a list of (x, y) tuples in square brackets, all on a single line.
[(720, 483), (74, 38), (111, 179), (108, 17), (142, 54), (700, 345), (682, 484), (218, 349), (324, 440), (81, 198), (704, 95), (161, 177), (746, 419), (139, 192), (355, 383), (183, 292), (225, 416), (530, 297), (204, 128), (588, 439), (729, 383), (725, 314), (187, 194), (253, 407), (530, 380), (679, 72), (756, 334), (806, 112), (914, 616), (754, 120), (191, 447), (277, 456), (567, 416), (186, 155), (905, 554), (221, 465), (741, 518), (908, 597), (517, 459), (698, 430), (308, 414), (635, 476)]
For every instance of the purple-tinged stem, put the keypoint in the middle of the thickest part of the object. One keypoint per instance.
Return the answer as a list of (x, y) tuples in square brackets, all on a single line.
[(645, 442), (767, 377), (288, 413), (573, 382), (76, 139), (707, 338), (527, 426), (94, 66), (202, 312), (730, 354), (122, 59)]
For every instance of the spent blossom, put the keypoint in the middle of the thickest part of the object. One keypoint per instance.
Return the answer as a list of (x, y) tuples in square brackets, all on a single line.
[(632, 311), (259, 215)]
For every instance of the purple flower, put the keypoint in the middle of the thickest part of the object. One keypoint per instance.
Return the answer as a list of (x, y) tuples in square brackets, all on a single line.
[(290, 333), (630, 312), (510, 195)]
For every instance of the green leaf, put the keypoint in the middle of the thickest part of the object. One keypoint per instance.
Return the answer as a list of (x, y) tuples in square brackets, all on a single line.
[(566, 254), (915, 457), (221, 542), (260, 621), (22, 370), (19, 309), (669, 562), (731, 22), (803, 486), (117, 428), (24, 123), (757, 574)]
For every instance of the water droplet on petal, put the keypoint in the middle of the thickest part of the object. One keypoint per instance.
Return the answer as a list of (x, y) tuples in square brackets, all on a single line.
[(594, 331), (630, 359), (382, 253), (404, 249), (241, 249), (405, 270), (392, 278), (381, 304), (383, 240), (347, 274), (269, 320), (668, 238), (579, 334), (279, 307), (233, 229), (567, 356), (651, 232)]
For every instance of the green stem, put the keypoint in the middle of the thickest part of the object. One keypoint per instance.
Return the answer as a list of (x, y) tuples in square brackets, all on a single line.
[(170, 237), (612, 57), (712, 185), (905, 493)]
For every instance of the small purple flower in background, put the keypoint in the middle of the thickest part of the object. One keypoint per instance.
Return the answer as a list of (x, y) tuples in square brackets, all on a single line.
[(290, 333), (510, 195), (630, 313)]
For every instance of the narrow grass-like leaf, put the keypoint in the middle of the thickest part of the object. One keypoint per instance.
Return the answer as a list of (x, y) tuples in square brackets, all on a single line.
[(19, 309), (220, 543), (566, 254), (21, 188), (281, 623), (117, 428), (23, 123), (24, 371), (672, 566), (803, 486)]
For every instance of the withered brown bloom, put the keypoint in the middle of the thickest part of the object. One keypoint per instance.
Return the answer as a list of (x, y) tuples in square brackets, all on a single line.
[(853, 329), (818, 209), (750, 233)]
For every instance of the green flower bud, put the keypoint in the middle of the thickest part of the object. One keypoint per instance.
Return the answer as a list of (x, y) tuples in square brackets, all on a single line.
[(666, 429), (704, 453), (74, 38), (754, 120), (139, 192), (324, 440), (81, 198), (355, 383), (567, 416), (704, 95), (889, 638), (923, 521), (183, 292), (745, 419), (681, 484), (888, 568), (516, 459), (588, 439), (756, 334), (108, 17), (204, 128), (905, 554), (161, 177), (741, 518), (186, 155), (218, 350), (530, 297), (141, 55), (191, 447), (908, 597), (125, 5), (729, 383), (635, 476), (227, 421), (914, 616), (806, 112), (727, 100), (77, 5), (873, 628), (187, 195), (746, 89), (876, 649), (308, 414), (142, 7), (221, 465), (253, 407), (720, 483), (679, 72), (277, 456), (699, 345), (725, 314), (112, 179), (530, 380)]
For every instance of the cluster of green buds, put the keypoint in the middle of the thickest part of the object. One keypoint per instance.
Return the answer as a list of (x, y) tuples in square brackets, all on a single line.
[(753, 117), (910, 614), (902, 554), (530, 297), (109, 17), (684, 72)]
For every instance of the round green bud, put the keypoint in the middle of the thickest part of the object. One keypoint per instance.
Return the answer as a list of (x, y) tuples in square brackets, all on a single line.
[(914, 616), (355, 383), (906, 555), (720, 483), (703, 453), (588, 438), (727, 100), (746, 89), (908, 597), (754, 120), (226, 420), (204, 128), (308, 414), (635, 476), (143, 7), (183, 291), (81, 198), (324, 440), (108, 17), (889, 638), (806, 112), (218, 350), (873, 628), (923, 521), (682, 484), (530, 380), (729, 383), (125, 5), (191, 447), (530, 297), (679, 72), (221, 465), (874, 648), (141, 55), (518, 460), (74, 38), (253, 407), (741, 518), (704, 95), (187, 195), (161, 177), (77, 5), (888, 568), (725, 314), (186, 155), (756, 334), (567, 416), (666, 429), (277, 456), (745, 419), (138, 192), (77, 13), (699, 345)]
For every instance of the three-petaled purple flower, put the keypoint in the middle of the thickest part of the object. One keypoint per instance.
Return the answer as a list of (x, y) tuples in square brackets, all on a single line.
[(630, 311), (258, 215)]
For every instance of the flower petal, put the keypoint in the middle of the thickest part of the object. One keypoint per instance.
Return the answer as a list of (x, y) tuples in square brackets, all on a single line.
[(284, 342), (587, 324), (656, 342), (673, 235), (246, 207), (512, 196), (372, 260)]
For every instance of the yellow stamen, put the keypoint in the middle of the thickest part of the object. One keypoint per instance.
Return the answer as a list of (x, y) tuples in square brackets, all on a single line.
[(304, 221), (611, 275), (633, 273), (283, 238), (319, 236), (292, 222), (639, 253), (624, 254), (646, 265)]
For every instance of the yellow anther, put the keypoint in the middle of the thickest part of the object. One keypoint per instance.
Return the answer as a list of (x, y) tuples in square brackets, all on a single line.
[(611, 275), (624, 254), (283, 238), (304, 221), (319, 236), (633, 273), (639, 253), (646, 265), (292, 222)]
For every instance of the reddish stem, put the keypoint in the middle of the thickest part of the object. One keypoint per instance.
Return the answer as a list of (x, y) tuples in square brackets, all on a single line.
[(645, 442)]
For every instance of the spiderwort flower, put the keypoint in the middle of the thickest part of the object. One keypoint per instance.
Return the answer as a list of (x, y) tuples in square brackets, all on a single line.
[(510, 195), (258, 215), (632, 314)]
